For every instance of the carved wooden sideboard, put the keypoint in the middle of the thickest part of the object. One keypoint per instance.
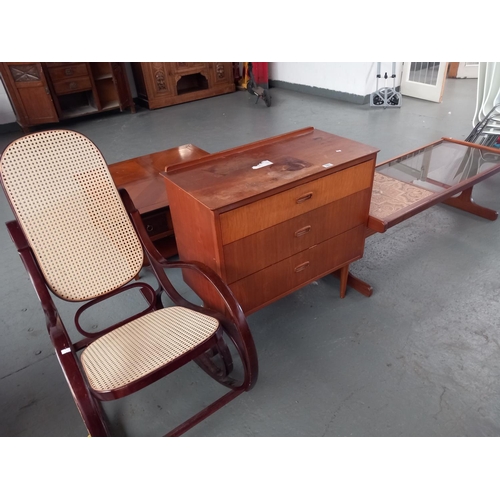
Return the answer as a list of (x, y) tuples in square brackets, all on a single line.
[(161, 84), (49, 92)]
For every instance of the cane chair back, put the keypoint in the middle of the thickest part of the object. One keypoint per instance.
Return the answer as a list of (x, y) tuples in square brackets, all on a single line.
[(100, 251)]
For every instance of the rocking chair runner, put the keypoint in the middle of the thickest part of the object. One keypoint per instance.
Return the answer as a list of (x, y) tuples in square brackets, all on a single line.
[(82, 239)]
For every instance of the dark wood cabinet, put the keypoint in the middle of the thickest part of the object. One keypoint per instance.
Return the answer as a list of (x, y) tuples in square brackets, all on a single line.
[(161, 84), (53, 91), (141, 178)]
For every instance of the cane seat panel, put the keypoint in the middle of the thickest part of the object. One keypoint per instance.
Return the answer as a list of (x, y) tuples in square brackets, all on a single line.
[(142, 346)]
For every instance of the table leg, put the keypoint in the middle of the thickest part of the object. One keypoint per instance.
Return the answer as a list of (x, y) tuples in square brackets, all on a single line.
[(353, 282), (465, 202), (344, 274)]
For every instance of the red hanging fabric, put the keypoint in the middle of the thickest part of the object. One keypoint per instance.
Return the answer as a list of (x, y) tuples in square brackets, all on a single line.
[(260, 73)]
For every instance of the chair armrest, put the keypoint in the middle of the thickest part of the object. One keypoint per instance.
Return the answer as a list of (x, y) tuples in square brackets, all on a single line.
[(158, 262), (39, 284), (242, 336)]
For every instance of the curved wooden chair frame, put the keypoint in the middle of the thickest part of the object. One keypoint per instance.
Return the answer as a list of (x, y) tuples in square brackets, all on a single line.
[(212, 354)]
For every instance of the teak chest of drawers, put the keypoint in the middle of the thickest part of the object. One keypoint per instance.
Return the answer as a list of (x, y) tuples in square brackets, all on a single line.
[(270, 230)]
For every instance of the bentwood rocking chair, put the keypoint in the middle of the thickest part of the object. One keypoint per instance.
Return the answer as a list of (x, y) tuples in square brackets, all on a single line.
[(82, 240)]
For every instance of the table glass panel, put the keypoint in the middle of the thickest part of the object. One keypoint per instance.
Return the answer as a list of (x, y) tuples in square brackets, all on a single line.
[(441, 166)]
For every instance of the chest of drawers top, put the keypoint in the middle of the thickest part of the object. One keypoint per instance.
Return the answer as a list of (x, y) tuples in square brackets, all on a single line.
[(226, 180)]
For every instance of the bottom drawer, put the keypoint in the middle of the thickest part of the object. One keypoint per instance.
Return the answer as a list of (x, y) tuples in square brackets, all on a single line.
[(289, 274)]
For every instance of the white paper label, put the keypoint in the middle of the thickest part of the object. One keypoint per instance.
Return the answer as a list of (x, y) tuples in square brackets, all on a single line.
[(263, 163)]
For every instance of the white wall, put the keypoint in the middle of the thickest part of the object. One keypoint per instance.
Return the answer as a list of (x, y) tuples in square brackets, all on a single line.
[(357, 78), (6, 112)]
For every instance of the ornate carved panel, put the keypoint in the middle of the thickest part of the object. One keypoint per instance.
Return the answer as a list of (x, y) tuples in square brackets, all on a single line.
[(220, 71), (160, 80), (25, 73), (160, 77)]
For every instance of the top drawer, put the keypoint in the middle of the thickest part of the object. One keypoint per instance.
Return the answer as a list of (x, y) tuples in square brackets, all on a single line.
[(267, 212), (68, 71)]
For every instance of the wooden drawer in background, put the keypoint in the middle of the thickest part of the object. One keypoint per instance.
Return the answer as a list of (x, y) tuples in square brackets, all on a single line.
[(72, 85), (56, 64), (158, 223), (67, 72)]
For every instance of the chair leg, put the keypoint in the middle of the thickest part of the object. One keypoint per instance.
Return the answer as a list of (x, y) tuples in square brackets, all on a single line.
[(225, 355), (219, 371), (94, 420), (218, 362), (89, 408)]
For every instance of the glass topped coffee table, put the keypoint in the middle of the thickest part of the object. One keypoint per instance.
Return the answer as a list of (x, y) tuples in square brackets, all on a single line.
[(415, 181), (442, 172)]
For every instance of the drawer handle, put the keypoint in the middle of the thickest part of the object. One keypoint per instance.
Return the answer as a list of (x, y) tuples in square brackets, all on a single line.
[(306, 197), (301, 267), (302, 231), (73, 85), (68, 71), (149, 227)]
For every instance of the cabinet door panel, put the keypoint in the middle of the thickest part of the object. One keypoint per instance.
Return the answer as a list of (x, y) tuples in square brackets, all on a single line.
[(38, 105), (122, 86), (222, 73), (29, 93), (159, 81)]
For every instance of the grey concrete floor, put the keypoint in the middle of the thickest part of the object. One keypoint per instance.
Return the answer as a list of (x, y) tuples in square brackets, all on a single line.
[(418, 358)]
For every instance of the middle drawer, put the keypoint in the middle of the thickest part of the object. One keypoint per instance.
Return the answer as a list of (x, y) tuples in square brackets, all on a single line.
[(262, 249)]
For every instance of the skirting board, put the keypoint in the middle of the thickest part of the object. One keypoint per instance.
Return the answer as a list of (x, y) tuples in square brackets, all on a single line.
[(331, 94)]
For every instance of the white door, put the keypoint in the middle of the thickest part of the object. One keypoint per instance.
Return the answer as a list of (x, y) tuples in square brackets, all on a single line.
[(468, 70), (424, 80)]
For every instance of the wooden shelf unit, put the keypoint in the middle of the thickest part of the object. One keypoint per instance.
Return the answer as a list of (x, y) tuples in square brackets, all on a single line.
[(49, 92)]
